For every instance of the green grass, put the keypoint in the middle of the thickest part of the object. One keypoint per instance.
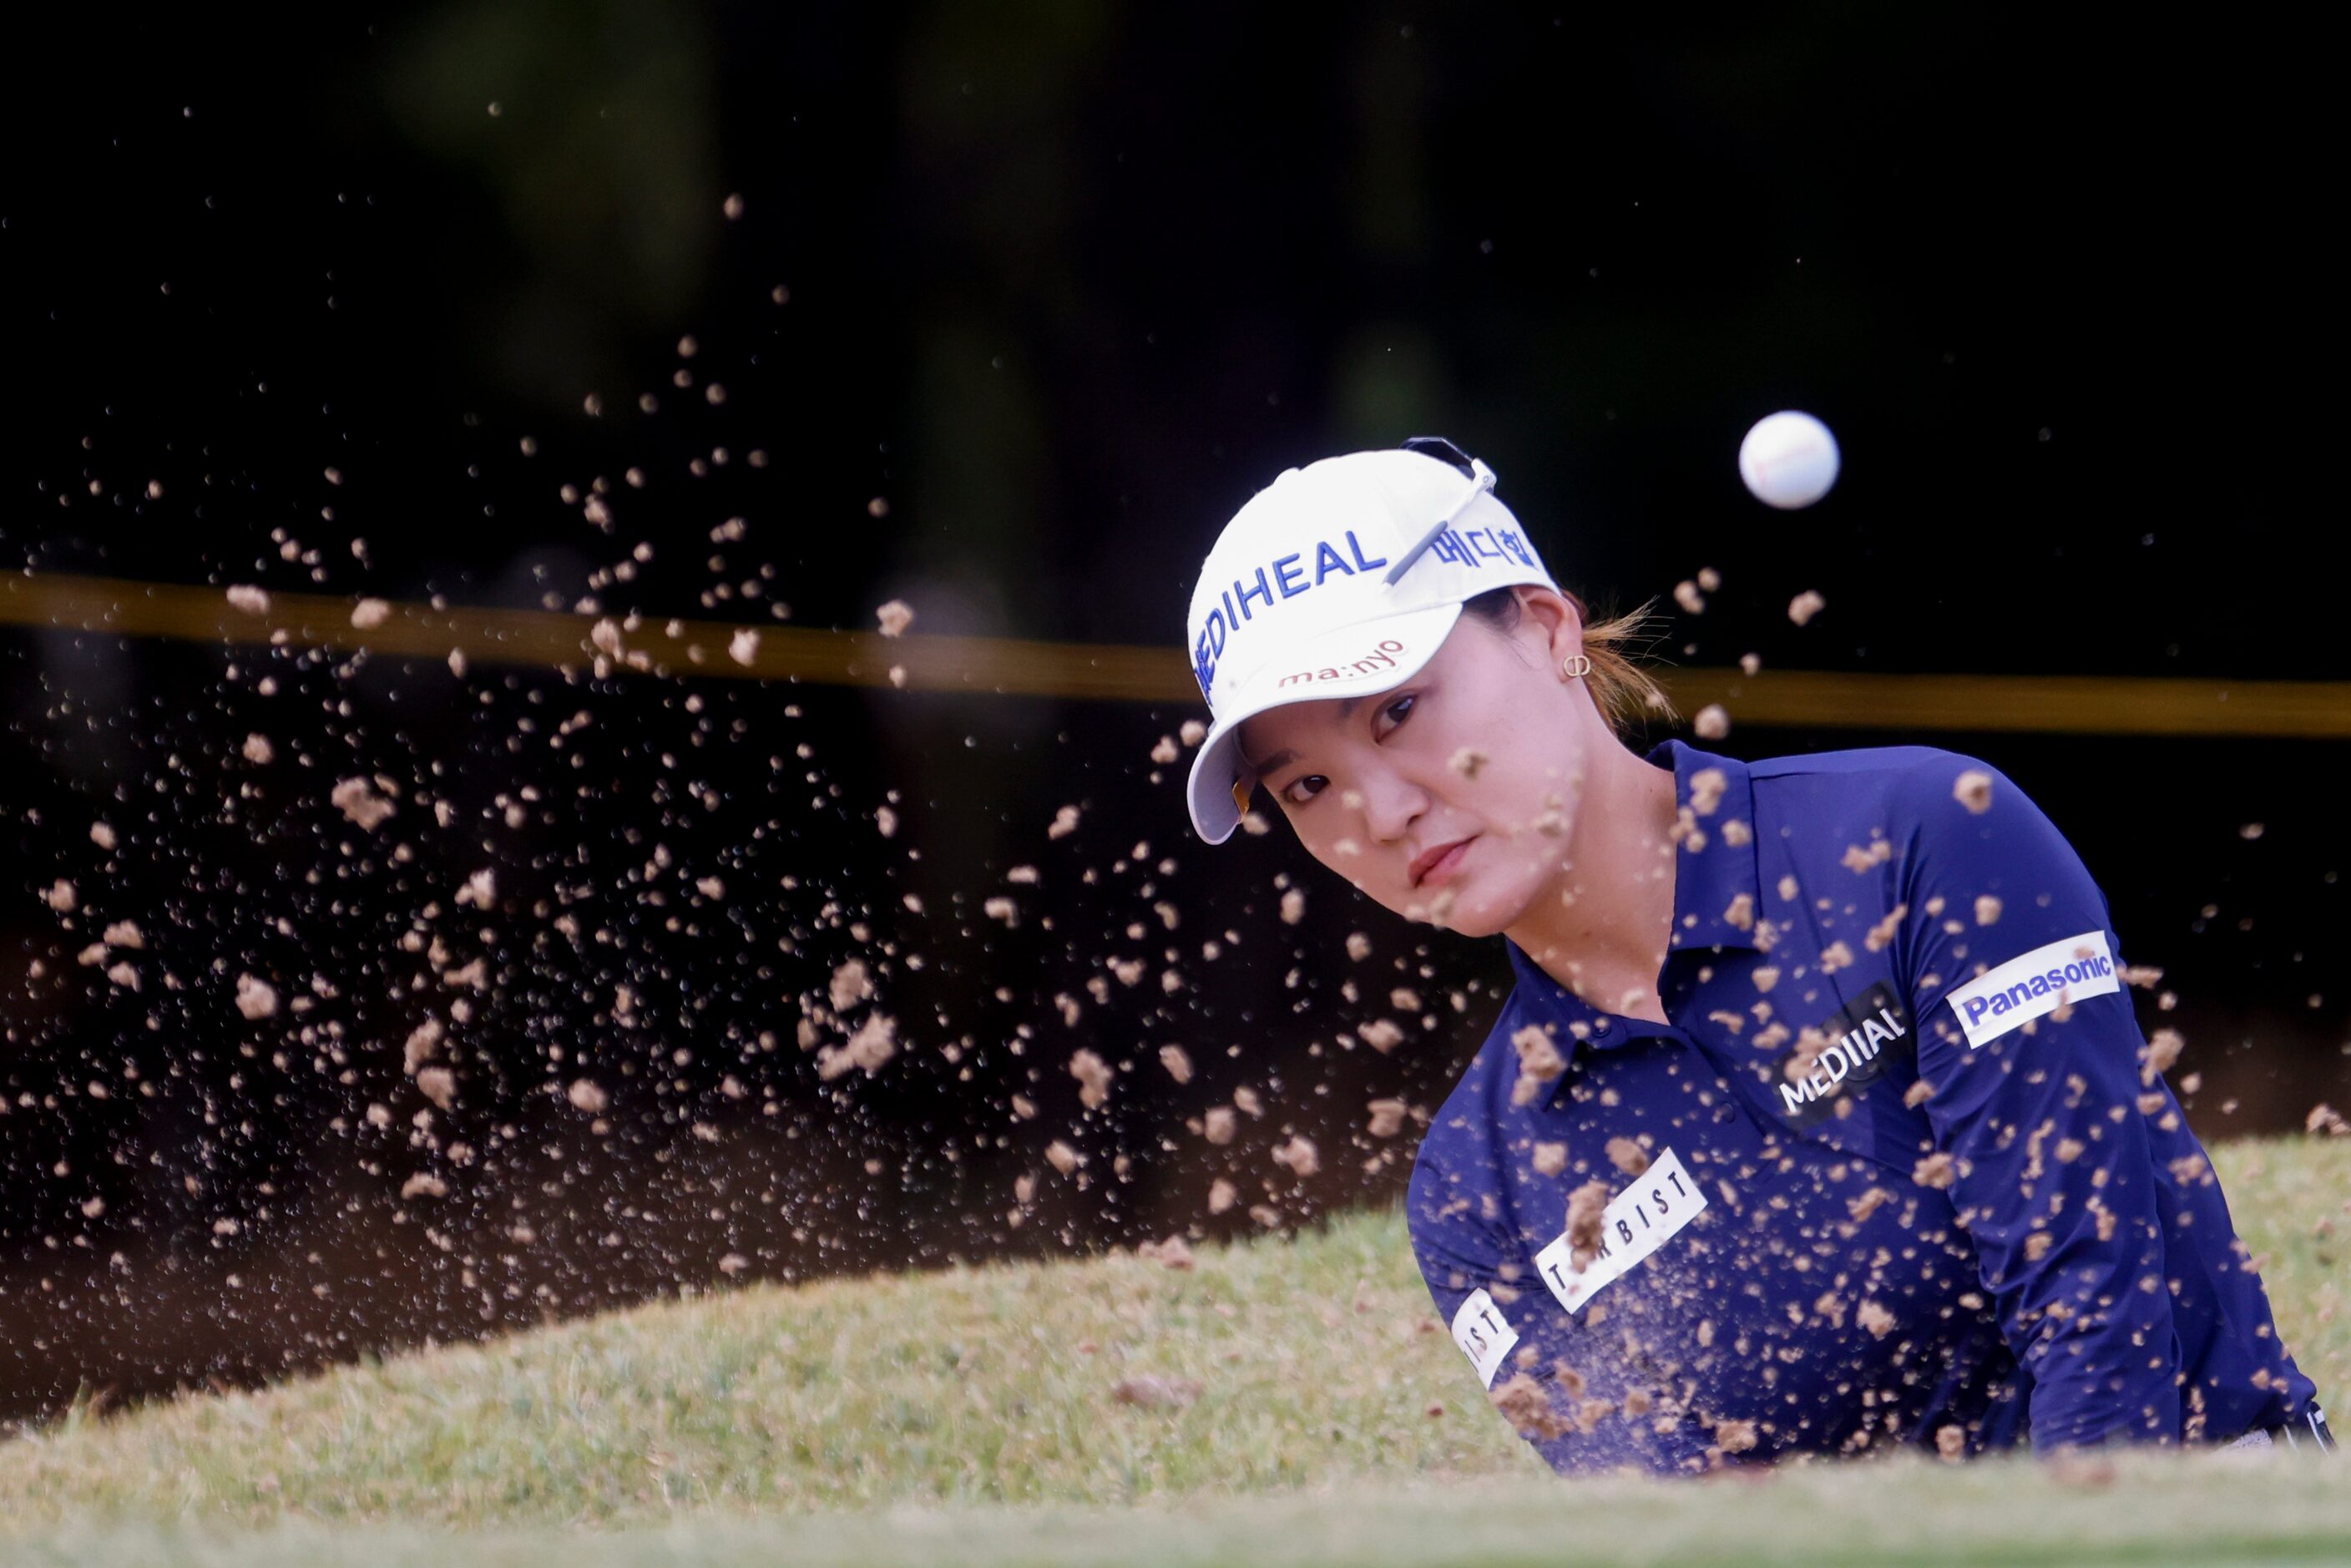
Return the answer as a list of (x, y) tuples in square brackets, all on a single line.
[(969, 1415)]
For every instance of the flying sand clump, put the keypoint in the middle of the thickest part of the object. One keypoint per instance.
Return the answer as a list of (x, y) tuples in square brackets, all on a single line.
[(1526, 1406), (255, 998), (1540, 1064), (1585, 1207), (359, 801), (1300, 1156), (1094, 1075)]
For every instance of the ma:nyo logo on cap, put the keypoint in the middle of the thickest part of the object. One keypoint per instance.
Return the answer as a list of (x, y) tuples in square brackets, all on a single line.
[(1290, 579), (1383, 657)]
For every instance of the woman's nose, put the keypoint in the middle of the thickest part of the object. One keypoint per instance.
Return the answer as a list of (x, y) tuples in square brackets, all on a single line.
[(1390, 805)]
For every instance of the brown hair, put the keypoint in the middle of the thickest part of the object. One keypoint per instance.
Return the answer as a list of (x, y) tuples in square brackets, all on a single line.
[(1624, 691)]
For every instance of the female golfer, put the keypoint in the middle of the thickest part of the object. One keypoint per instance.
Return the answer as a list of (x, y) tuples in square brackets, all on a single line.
[(1819, 1119)]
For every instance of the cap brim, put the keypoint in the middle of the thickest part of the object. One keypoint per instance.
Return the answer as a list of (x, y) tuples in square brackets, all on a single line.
[(1321, 669)]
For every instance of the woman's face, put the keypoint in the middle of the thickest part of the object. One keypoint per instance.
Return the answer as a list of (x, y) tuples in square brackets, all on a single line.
[(1453, 796)]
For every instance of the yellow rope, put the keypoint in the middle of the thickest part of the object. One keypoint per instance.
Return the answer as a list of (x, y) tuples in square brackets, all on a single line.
[(2074, 705)]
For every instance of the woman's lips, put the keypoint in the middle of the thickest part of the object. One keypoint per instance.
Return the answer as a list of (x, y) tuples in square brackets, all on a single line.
[(1448, 862)]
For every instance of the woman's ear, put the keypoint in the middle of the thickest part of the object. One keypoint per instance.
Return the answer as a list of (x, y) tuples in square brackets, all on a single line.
[(1552, 617)]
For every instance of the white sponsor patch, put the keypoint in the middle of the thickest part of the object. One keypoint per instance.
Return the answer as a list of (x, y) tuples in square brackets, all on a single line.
[(1636, 1222), (1484, 1334), (2035, 984)]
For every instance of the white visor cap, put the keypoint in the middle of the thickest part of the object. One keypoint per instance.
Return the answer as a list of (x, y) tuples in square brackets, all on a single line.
[(1339, 579)]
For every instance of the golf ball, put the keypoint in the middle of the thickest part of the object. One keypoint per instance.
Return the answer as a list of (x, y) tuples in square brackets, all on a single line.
[(1789, 460)]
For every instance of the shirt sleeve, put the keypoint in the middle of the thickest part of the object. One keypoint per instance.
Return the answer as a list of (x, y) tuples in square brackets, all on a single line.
[(2036, 1069), (1576, 1400)]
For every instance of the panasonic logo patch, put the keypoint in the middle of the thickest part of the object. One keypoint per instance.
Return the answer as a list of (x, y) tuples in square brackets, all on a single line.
[(2034, 984)]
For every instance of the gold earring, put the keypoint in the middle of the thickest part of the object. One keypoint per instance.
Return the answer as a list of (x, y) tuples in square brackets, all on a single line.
[(1575, 666)]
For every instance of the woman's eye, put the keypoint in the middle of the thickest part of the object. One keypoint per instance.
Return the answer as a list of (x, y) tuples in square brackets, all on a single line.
[(1304, 788), (1396, 713)]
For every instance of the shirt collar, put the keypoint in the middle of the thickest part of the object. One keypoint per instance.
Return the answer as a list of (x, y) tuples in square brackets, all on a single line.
[(1716, 894), (1708, 882)]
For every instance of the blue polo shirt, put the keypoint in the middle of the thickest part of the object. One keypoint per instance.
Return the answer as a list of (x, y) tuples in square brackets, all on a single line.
[(1901, 1169)]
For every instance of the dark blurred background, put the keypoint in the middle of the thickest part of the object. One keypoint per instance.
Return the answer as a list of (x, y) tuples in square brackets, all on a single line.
[(769, 315)]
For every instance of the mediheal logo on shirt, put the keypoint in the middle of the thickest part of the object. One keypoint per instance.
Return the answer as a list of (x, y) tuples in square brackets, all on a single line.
[(1864, 1040), (2035, 986)]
